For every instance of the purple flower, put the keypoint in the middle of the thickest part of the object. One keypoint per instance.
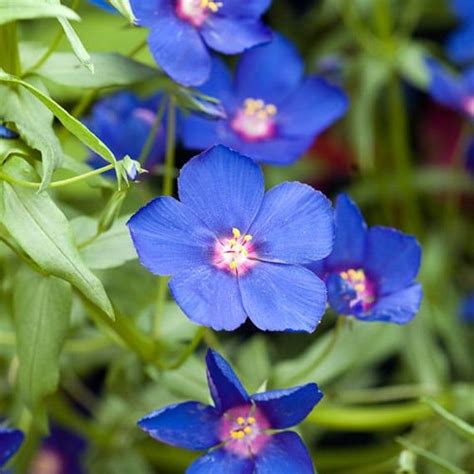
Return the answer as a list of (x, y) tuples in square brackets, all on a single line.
[(123, 122), (371, 272), (460, 46), (454, 92), (10, 442), (181, 31), (234, 252), (273, 112), (238, 426)]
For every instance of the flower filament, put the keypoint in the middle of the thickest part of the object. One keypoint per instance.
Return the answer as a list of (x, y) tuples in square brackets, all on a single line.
[(244, 427), (233, 253), (255, 120)]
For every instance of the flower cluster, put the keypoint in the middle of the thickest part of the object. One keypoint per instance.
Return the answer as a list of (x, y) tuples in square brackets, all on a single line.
[(238, 428)]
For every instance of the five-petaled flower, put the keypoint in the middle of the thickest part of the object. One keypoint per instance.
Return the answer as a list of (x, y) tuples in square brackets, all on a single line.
[(124, 122), (10, 442), (454, 92), (181, 31), (370, 273), (238, 426), (234, 252), (273, 113)]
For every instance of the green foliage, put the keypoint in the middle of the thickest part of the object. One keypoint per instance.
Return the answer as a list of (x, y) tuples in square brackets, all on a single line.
[(11, 10)]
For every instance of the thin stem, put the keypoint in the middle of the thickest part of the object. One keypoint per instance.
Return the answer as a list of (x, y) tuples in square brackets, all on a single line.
[(168, 182), (10, 57), (55, 184), (153, 132)]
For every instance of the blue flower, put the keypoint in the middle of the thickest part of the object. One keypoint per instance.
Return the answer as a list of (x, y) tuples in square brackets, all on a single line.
[(273, 112), (460, 46), (103, 4), (234, 252), (123, 122), (370, 273), (467, 309), (238, 426), (454, 92), (181, 31), (6, 133), (10, 442)]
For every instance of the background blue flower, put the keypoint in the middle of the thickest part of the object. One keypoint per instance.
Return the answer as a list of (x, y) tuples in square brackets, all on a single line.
[(238, 426), (103, 4), (10, 442), (6, 133), (370, 273), (181, 31), (123, 121), (234, 253), (273, 114), (460, 45)]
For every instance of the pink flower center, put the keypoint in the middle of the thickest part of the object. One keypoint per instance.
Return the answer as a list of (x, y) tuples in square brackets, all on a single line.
[(234, 254), (196, 11), (46, 462), (255, 121), (364, 289), (468, 106), (242, 430), (145, 115)]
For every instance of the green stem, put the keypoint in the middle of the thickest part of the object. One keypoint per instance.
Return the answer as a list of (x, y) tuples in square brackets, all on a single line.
[(153, 132), (168, 181), (56, 184), (10, 55)]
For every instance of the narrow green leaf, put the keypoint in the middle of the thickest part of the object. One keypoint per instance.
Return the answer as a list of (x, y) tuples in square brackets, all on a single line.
[(42, 306), (70, 123), (12, 10), (79, 50), (43, 232), (430, 456), (461, 426)]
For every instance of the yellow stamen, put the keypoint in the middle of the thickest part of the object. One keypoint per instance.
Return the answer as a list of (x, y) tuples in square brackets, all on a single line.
[(248, 238), (236, 232), (233, 265), (241, 420), (251, 420), (248, 430)]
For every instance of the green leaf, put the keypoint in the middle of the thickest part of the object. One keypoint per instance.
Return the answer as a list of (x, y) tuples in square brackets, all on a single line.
[(42, 307), (34, 123), (79, 50), (70, 123), (253, 362), (110, 70), (123, 6), (411, 64), (43, 232), (461, 426), (11, 10), (110, 249)]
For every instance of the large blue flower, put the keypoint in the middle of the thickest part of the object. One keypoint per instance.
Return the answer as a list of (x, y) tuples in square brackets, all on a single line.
[(273, 112), (234, 252), (181, 31), (123, 122), (460, 44), (10, 442), (454, 92), (238, 426), (371, 272)]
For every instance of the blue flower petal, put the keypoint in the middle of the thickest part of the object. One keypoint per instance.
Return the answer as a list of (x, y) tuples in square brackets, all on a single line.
[(209, 296), (198, 133), (247, 9), (349, 243), (178, 48), (341, 296), (312, 108), (392, 259), (226, 389), (103, 4), (234, 35), (223, 188), (285, 453), (289, 407), (168, 237), (294, 225), (10, 442), (460, 45), (220, 461), (146, 12), (464, 8), (444, 87), (399, 307), (189, 425), (260, 74), (280, 297)]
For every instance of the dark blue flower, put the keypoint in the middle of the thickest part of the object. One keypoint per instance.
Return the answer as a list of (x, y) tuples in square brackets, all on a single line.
[(273, 112), (6, 133), (103, 4), (467, 309), (123, 122), (238, 426), (460, 46), (181, 31), (10, 442), (234, 252), (60, 453), (371, 272), (454, 92)]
